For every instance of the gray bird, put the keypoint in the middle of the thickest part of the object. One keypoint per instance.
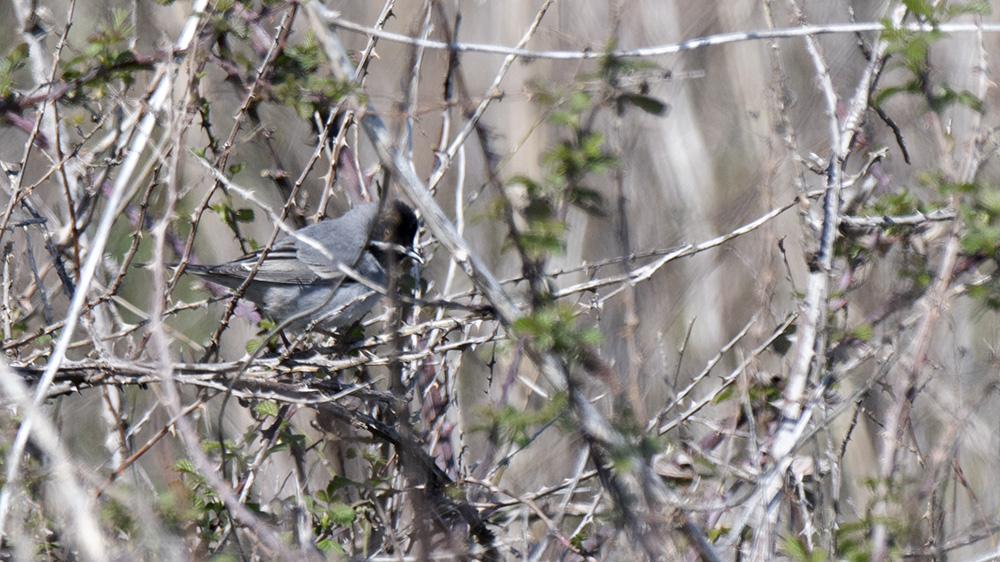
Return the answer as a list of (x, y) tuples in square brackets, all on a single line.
[(301, 277)]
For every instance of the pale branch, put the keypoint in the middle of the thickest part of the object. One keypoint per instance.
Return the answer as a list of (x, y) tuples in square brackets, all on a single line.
[(333, 19), (304, 383), (725, 382), (811, 335), (75, 375), (679, 398), (886, 221)]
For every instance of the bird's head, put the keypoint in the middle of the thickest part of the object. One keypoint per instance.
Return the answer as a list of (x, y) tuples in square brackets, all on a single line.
[(395, 234)]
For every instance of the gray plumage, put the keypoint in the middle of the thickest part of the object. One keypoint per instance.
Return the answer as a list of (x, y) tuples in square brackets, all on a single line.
[(301, 281)]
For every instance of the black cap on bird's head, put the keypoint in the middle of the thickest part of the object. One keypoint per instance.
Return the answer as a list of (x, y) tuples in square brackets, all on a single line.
[(394, 234)]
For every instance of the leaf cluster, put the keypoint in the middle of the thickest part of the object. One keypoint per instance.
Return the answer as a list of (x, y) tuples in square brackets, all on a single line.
[(106, 58), (512, 425), (910, 50), (15, 60)]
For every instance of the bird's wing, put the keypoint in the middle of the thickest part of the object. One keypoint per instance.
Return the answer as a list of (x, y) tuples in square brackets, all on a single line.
[(295, 259), (280, 266), (343, 239)]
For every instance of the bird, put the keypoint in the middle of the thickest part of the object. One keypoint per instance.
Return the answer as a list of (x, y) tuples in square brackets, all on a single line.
[(301, 283)]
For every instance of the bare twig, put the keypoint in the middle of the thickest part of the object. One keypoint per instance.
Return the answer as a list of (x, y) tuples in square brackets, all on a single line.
[(668, 49)]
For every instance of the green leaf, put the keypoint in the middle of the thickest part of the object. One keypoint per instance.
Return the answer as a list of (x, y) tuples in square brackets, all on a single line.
[(588, 200), (885, 93), (543, 237), (185, 466), (330, 545), (972, 102), (646, 103), (223, 210), (726, 394), (862, 332), (342, 514), (516, 425), (253, 344), (267, 408), (243, 215), (922, 8), (18, 55), (989, 201), (553, 328), (980, 8), (797, 551)]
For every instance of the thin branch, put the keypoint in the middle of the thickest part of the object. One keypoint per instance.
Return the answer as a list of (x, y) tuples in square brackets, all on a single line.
[(671, 48)]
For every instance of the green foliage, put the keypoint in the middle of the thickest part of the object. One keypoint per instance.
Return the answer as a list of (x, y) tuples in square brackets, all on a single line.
[(253, 345), (223, 23), (987, 292), (14, 61), (572, 160), (763, 393), (917, 270), (580, 154), (185, 466), (716, 532), (852, 540), (120, 517), (544, 234), (861, 332), (512, 425), (795, 549), (340, 514), (851, 544), (553, 328), (901, 202), (910, 50), (289, 440), (266, 408), (983, 230), (611, 72), (936, 12), (980, 211), (864, 248), (979, 208), (646, 103), (105, 58), (201, 505), (952, 10), (330, 511), (334, 508), (298, 80), (230, 215)]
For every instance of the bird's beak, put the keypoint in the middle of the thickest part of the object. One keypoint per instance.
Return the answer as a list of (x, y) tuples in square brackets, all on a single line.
[(399, 250), (413, 255)]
